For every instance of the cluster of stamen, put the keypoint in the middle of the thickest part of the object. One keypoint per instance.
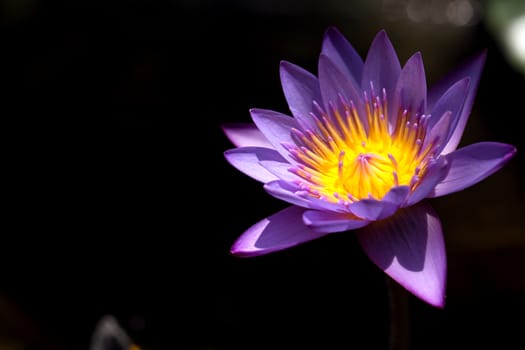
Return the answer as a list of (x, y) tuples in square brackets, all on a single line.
[(348, 157)]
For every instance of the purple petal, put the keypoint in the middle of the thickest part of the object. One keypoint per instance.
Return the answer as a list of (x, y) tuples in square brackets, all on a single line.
[(437, 136), (279, 231), (471, 68), (434, 174), (287, 192), (411, 88), (294, 194), (247, 160), (300, 88), (322, 221), (335, 83), (372, 209), (381, 67), (471, 164), (280, 169), (245, 135), (342, 54), (276, 127), (409, 247), (324, 205), (451, 101)]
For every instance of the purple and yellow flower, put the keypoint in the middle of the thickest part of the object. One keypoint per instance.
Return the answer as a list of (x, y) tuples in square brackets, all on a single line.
[(365, 146)]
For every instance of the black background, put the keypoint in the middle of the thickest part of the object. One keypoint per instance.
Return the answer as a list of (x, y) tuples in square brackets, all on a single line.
[(119, 201)]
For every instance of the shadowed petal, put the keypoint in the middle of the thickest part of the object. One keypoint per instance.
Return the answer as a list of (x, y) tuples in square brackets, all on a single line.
[(438, 134), (287, 192), (300, 88), (281, 230), (411, 88), (247, 160), (342, 54), (245, 135), (373, 209), (276, 127), (434, 174), (335, 82), (471, 68), (293, 194), (471, 164), (324, 205), (452, 102), (409, 247), (322, 221), (381, 67)]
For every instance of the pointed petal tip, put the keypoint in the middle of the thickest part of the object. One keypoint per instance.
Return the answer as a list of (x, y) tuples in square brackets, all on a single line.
[(419, 57), (282, 230), (434, 297), (440, 304), (283, 64), (382, 34), (243, 247), (472, 164), (225, 127), (409, 247), (477, 60), (235, 251), (331, 31), (512, 152)]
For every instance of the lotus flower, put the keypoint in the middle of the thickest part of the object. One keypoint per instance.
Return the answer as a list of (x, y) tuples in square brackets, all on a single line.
[(364, 148)]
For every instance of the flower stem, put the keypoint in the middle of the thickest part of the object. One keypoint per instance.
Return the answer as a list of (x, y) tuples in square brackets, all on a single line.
[(398, 316)]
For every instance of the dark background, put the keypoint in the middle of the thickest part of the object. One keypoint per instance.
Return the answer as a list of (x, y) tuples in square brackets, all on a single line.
[(118, 200)]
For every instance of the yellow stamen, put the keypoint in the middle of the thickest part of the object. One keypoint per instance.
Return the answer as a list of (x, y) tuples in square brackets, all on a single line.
[(346, 160)]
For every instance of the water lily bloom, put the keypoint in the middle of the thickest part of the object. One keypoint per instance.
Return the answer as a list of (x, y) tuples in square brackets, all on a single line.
[(364, 148)]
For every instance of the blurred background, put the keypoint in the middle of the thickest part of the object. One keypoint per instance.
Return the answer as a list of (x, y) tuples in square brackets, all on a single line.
[(118, 200)]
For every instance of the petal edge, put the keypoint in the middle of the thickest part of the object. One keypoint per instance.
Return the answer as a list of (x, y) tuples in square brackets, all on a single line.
[(279, 231), (410, 248)]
